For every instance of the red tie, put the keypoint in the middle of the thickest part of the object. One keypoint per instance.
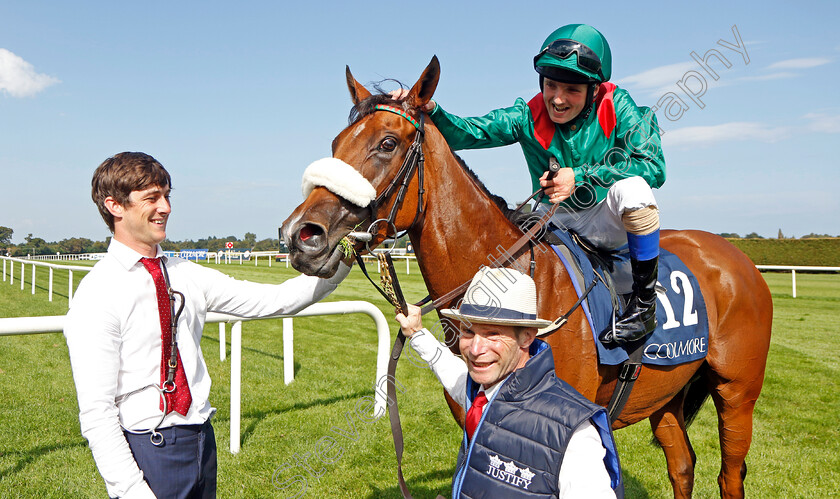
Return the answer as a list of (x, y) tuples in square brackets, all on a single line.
[(180, 399), (474, 414)]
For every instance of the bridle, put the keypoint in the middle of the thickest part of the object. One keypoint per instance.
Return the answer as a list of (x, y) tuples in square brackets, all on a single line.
[(414, 161)]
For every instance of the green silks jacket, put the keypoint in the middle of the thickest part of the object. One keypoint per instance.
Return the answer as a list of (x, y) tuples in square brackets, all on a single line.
[(616, 140)]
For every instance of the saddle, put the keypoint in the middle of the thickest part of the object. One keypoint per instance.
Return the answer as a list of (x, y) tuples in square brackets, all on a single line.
[(682, 332), (606, 263)]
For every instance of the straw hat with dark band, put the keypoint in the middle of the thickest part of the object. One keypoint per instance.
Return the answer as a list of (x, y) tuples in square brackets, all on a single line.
[(499, 296)]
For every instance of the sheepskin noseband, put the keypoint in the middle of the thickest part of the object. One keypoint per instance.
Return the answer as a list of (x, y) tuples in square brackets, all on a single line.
[(339, 178)]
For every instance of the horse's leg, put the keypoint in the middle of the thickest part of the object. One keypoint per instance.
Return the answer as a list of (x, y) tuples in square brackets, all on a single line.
[(735, 384), (740, 311), (668, 425), (734, 403)]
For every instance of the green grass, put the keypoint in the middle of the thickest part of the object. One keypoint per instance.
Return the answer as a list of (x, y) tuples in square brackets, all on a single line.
[(795, 451)]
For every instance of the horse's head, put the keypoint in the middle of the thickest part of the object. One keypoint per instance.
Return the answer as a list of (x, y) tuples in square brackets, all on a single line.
[(361, 182)]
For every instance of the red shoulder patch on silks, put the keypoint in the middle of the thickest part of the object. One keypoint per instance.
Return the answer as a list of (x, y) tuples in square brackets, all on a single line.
[(606, 107), (543, 126)]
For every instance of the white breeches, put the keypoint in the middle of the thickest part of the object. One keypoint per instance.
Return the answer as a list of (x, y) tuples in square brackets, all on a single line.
[(602, 224)]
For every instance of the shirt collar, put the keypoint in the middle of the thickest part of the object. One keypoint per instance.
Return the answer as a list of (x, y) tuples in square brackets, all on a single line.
[(491, 392), (126, 256)]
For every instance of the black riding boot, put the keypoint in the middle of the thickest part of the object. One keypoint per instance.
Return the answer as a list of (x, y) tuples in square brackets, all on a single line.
[(639, 317)]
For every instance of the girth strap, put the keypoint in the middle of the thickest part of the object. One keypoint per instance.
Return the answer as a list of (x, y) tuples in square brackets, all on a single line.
[(627, 376)]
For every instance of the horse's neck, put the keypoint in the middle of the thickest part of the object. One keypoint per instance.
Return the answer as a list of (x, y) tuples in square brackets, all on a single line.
[(462, 227)]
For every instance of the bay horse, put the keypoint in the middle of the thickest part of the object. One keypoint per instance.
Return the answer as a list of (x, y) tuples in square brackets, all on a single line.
[(455, 225)]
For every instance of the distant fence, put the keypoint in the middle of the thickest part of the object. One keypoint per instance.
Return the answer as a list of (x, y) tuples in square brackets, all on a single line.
[(793, 270), (68, 257), (223, 257), (10, 263), (53, 324), (270, 256)]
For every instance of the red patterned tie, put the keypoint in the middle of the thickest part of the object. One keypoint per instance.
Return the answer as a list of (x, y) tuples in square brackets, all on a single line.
[(474, 414), (180, 399)]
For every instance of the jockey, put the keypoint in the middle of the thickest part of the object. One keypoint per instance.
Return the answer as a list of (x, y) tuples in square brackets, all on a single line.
[(609, 152)]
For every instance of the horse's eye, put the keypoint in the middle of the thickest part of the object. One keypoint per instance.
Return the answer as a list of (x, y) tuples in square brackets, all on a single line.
[(388, 144)]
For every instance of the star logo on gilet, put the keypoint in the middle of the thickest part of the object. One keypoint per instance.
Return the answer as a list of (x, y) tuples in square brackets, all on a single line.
[(509, 472)]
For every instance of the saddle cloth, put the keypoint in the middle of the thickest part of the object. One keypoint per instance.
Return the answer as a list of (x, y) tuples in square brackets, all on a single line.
[(682, 332)]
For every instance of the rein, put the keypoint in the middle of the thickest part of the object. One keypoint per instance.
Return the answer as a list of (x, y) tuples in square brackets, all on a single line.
[(414, 160), (392, 292)]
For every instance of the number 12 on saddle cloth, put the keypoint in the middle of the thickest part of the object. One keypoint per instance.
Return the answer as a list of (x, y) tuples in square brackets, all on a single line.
[(682, 332)]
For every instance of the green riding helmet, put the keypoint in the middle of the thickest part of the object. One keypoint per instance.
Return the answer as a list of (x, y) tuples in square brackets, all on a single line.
[(575, 53)]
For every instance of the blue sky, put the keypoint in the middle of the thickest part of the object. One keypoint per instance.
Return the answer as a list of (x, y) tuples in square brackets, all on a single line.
[(236, 99)]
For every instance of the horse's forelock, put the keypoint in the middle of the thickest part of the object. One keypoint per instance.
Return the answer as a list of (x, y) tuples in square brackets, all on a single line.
[(367, 106), (381, 96)]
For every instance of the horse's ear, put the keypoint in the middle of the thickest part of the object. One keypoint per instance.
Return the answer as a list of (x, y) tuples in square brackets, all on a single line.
[(358, 93), (422, 91)]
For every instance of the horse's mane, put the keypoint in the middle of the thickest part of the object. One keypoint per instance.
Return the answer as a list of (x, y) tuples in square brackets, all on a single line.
[(498, 200), (368, 105)]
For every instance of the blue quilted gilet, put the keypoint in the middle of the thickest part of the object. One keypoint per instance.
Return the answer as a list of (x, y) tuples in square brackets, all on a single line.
[(521, 440)]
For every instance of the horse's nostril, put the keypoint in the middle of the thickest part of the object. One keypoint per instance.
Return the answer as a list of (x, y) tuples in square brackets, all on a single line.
[(311, 235), (306, 232)]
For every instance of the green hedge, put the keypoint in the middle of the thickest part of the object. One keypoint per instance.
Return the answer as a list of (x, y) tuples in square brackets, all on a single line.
[(814, 252)]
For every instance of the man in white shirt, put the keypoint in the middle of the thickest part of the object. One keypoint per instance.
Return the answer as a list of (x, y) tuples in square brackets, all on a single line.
[(527, 433), (143, 405)]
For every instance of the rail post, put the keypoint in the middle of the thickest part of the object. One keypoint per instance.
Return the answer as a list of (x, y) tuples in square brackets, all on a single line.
[(222, 345), (288, 350), (235, 385)]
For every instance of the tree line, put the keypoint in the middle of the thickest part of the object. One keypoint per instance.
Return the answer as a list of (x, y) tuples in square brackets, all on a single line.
[(75, 245), (755, 235)]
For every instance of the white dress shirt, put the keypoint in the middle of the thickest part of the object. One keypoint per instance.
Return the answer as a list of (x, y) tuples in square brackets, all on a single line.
[(582, 474), (114, 338)]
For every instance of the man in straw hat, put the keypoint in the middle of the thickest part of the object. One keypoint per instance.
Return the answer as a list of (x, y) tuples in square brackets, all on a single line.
[(527, 432)]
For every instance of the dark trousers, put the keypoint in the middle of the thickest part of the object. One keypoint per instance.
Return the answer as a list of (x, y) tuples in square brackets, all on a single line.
[(184, 467)]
